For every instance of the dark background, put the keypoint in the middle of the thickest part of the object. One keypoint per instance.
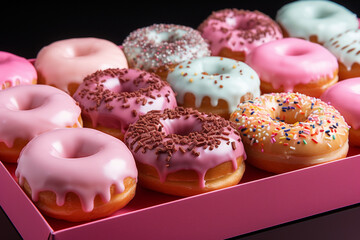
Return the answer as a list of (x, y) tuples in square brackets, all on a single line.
[(25, 29)]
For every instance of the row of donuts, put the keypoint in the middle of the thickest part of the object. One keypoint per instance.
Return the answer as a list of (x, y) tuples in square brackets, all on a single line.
[(224, 137)]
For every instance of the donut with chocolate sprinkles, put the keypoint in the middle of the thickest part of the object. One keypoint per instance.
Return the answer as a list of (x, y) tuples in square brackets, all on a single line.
[(113, 98), (233, 33), (183, 152)]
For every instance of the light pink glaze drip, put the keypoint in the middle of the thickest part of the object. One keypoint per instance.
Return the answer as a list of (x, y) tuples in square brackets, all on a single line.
[(70, 60), (15, 70), (207, 158), (238, 30), (29, 110), (291, 61), (79, 160), (118, 109), (345, 97)]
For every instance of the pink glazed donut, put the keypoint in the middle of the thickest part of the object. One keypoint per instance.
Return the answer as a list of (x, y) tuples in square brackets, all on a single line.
[(345, 97), (29, 110), (184, 152), (234, 33), (77, 174), (15, 70), (294, 65), (111, 99), (65, 63)]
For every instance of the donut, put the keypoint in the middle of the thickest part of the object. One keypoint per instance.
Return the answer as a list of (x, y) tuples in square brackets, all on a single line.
[(77, 174), (282, 132), (159, 47), (233, 33), (294, 65), (316, 21), (345, 97), (346, 48), (29, 110), (111, 99), (65, 63), (15, 70), (185, 152), (213, 84)]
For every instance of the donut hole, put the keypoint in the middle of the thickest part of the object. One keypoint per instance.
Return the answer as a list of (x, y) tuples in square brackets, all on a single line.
[(321, 13), (26, 103), (297, 52), (72, 149), (166, 37), (291, 116), (182, 127), (208, 68), (185, 130), (288, 113), (245, 24), (79, 51)]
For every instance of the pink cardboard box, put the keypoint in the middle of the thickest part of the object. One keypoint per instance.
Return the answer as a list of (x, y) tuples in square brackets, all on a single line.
[(261, 200)]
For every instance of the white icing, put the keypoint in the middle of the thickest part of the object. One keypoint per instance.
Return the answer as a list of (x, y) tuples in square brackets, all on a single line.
[(345, 47), (225, 79), (323, 19)]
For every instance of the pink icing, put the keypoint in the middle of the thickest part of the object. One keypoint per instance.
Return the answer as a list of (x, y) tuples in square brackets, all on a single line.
[(29, 110), (238, 30), (79, 160), (229, 146), (345, 97), (291, 61), (15, 70), (69, 61), (117, 97)]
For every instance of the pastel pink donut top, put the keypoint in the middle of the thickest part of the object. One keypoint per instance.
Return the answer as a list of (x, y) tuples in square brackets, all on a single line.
[(183, 138), (238, 30), (70, 60), (345, 97), (29, 110), (15, 70), (84, 161), (291, 61), (115, 98)]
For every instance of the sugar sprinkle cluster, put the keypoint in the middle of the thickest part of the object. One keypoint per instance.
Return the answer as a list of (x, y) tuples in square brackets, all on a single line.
[(163, 44)]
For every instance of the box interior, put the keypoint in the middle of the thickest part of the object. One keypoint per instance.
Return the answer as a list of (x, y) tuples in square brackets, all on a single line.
[(147, 199)]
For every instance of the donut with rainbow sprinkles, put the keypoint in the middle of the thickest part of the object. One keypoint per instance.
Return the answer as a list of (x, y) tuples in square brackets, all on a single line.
[(287, 131)]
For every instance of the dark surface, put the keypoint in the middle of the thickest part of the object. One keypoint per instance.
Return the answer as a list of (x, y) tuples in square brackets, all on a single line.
[(25, 29), (340, 224)]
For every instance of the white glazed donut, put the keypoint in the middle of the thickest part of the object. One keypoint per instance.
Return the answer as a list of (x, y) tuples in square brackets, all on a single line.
[(214, 84), (346, 48), (316, 21)]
